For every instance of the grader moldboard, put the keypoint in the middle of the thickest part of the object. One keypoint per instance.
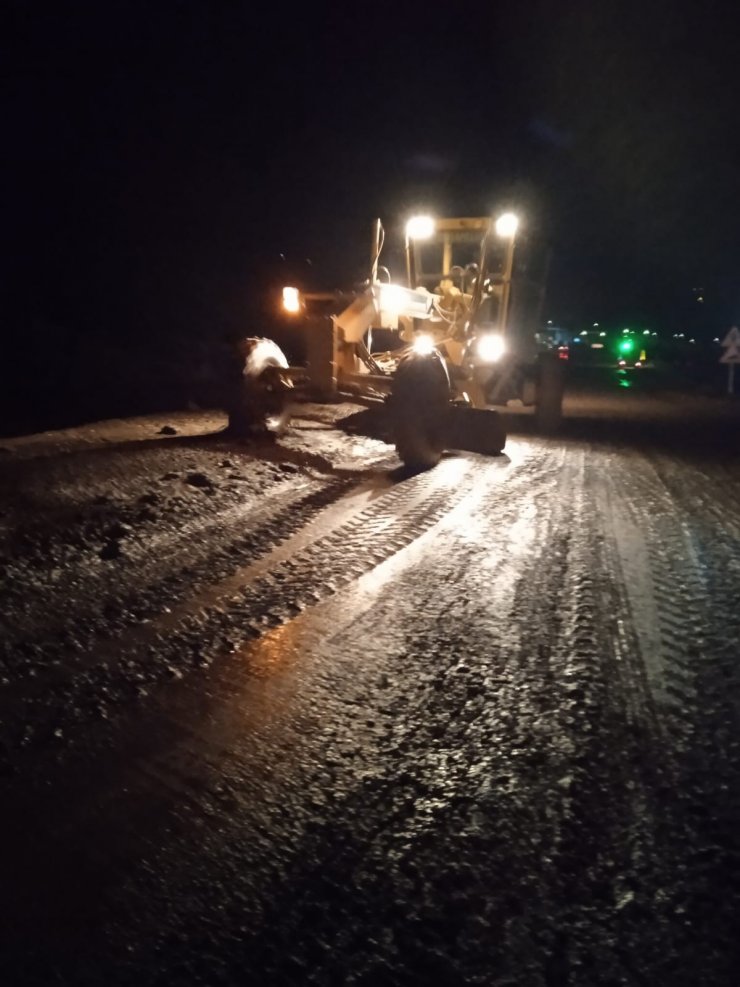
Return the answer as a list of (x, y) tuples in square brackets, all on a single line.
[(459, 341)]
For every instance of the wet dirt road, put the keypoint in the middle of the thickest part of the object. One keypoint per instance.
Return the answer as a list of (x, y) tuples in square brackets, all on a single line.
[(285, 715)]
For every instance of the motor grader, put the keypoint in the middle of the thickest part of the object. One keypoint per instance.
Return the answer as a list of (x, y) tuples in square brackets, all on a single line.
[(457, 340)]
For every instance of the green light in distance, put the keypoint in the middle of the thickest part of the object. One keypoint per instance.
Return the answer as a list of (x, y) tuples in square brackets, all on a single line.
[(626, 346)]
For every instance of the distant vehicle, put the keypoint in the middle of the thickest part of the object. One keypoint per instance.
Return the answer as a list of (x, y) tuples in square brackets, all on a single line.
[(629, 357)]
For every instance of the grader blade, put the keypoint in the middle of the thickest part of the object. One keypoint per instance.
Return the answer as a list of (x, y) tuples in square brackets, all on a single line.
[(476, 430)]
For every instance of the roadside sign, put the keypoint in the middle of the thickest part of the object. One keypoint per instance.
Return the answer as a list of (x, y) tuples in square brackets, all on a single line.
[(732, 338), (731, 355)]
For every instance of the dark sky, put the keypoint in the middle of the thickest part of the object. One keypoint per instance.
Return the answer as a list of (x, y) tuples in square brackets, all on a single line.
[(157, 155)]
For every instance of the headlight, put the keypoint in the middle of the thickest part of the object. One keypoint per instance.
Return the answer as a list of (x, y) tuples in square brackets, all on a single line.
[(291, 300), (490, 347), (507, 225), (420, 228), (423, 344)]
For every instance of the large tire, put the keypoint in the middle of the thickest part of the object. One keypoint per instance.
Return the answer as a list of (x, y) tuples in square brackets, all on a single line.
[(549, 396), (420, 404), (260, 402)]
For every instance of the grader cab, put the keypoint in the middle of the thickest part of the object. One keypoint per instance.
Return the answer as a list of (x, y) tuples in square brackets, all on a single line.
[(441, 350)]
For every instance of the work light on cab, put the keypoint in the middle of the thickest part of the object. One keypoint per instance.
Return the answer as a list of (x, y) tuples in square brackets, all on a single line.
[(507, 225), (291, 300), (420, 228)]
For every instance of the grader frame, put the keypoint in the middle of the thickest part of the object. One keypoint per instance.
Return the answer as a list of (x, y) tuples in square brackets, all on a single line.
[(457, 350)]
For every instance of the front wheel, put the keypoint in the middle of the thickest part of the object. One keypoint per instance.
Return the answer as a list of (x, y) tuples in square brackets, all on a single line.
[(420, 403), (260, 402)]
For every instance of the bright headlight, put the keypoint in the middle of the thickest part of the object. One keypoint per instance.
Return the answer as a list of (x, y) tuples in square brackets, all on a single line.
[(507, 225), (420, 228), (291, 300), (423, 344), (490, 347)]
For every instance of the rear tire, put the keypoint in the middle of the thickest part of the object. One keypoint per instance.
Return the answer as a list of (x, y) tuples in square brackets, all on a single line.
[(420, 404), (260, 402), (550, 389)]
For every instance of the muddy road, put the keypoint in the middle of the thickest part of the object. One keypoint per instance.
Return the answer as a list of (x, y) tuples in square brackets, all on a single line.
[(282, 714)]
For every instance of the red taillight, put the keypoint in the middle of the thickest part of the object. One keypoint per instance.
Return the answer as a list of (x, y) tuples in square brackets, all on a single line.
[(563, 353)]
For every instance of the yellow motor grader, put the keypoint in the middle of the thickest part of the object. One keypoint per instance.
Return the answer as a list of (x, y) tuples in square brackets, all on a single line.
[(458, 340)]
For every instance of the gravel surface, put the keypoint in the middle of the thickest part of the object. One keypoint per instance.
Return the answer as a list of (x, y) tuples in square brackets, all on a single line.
[(283, 714)]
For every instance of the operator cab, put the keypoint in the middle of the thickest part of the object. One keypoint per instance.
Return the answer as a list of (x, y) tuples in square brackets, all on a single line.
[(450, 260)]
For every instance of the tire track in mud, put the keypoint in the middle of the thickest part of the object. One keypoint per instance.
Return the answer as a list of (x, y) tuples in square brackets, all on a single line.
[(686, 590), (284, 513), (602, 888), (216, 541), (664, 581), (532, 778), (527, 815), (529, 760), (111, 673), (688, 585), (580, 738), (417, 506), (66, 513), (411, 754)]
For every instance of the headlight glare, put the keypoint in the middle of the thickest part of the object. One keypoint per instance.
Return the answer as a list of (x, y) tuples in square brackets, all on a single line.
[(490, 347), (420, 228), (291, 300), (423, 344)]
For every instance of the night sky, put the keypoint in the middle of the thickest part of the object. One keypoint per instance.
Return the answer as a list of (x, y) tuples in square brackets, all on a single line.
[(158, 157)]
